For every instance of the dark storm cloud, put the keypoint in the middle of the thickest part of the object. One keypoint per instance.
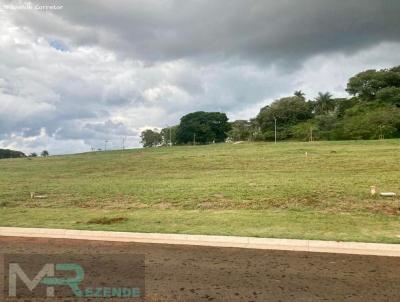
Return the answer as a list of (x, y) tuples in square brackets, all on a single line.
[(265, 31), (100, 69)]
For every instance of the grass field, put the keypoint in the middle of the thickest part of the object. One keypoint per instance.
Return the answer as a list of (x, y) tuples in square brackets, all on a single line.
[(256, 189)]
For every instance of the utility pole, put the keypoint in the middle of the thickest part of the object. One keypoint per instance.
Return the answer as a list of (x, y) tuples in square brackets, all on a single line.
[(105, 144), (194, 139), (381, 136), (123, 143), (275, 128), (311, 135), (170, 136)]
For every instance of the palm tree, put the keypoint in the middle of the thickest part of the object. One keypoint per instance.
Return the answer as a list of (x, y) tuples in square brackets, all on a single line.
[(300, 94), (324, 103)]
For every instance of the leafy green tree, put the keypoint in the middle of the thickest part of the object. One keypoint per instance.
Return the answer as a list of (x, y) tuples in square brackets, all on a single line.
[(367, 84), (44, 153), (326, 125), (241, 130), (203, 127), (255, 130), (150, 138), (341, 105), (370, 122), (305, 131), (33, 154), (168, 135), (287, 112), (389, 95)]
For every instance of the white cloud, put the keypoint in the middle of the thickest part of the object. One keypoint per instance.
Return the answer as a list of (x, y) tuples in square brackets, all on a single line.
[(69, 81), (330, 72)]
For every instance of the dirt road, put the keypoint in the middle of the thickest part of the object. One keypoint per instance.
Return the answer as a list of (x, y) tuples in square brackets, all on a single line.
[(190, 273)]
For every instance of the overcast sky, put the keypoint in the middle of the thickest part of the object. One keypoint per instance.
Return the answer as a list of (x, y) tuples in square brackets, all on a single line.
[(93, 70)]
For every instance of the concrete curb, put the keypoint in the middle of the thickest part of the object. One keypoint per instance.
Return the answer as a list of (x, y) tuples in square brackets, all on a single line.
[(216, 241)]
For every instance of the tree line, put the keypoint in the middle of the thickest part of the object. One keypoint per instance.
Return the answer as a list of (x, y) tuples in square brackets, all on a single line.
[(195, 128), (371, 112), (7, 153)]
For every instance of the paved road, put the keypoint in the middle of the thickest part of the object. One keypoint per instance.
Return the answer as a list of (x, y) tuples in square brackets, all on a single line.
[(190, 273)]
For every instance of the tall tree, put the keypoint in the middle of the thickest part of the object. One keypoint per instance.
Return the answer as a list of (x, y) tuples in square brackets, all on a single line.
[(150, 138), (168, 135), (287, 111), (324, 103), (367, 84), (300, 94), (203, 127), (241, 130)]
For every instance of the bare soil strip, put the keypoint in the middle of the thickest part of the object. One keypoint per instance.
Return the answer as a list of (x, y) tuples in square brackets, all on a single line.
[(199, 273)]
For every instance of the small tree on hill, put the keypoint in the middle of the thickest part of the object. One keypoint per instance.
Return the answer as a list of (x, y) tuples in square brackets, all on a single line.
[(150, 138)]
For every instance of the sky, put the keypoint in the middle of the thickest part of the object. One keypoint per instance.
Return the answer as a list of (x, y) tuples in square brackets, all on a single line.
[(74, 73)]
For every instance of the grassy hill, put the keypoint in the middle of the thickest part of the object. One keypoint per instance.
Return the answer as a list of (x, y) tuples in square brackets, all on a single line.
[(255, 189)]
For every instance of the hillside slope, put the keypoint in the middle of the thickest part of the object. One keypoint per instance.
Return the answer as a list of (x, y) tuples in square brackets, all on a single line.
[(320, 177)]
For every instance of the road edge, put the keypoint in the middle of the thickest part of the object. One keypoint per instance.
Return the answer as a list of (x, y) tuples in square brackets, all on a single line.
[(356, 248)]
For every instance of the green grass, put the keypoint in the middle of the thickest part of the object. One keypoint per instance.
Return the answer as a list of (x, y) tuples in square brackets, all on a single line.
[(249, 189), (264, 223)]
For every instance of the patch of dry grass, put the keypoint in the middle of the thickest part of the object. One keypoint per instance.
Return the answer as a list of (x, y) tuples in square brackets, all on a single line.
[(107, 220)]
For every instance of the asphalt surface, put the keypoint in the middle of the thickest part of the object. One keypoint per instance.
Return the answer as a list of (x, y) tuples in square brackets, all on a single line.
[(193, 273)]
